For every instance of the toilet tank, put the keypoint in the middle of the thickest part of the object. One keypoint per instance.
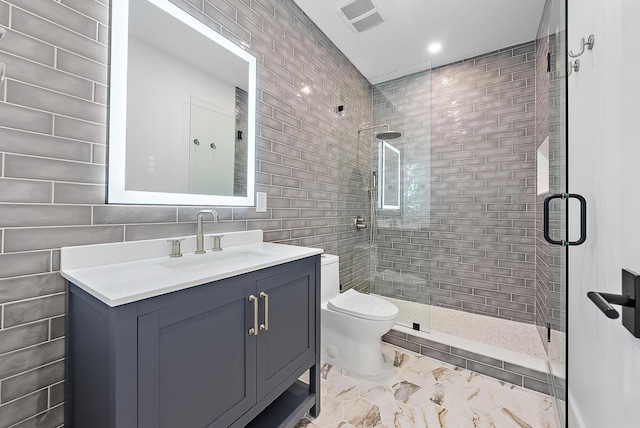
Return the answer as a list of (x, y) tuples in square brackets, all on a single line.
[(330, 277)]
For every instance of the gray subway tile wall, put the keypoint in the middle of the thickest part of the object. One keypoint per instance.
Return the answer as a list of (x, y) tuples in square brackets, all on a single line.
[(53, 139), (465, 241)]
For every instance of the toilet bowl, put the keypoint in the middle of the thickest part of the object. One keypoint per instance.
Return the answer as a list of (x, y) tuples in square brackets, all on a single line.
[(352, 323)]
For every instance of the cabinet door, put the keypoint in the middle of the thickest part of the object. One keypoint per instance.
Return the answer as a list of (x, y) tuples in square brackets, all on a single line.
[(196, 360), (290, 339)]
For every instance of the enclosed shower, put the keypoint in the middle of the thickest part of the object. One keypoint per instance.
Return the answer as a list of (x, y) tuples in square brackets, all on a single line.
[(456, 220)]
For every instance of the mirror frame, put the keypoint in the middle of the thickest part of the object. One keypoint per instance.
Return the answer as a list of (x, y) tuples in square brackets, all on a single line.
[(117, 132)]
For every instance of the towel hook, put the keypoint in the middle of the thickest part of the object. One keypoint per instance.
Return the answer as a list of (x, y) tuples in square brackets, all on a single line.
[(575, 66), (588, 44)]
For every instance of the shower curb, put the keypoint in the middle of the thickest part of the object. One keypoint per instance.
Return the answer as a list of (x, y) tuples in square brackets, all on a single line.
[(508, 372)]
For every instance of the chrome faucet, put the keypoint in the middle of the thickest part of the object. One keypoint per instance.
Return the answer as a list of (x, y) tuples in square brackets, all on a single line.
[(200, 235)]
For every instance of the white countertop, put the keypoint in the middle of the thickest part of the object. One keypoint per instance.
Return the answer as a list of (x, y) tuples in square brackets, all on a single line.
[(122, 273)]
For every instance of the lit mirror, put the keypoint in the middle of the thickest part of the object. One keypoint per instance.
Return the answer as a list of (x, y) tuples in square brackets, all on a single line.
[(390, 177), (182, 110)]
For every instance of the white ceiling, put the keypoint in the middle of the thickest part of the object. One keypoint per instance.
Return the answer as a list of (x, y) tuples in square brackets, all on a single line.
[(398, 46)]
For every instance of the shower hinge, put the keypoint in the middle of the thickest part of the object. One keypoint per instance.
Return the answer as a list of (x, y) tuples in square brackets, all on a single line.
[(548, 62), (549, 332)]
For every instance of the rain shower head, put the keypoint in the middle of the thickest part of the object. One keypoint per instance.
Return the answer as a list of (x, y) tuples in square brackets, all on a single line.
[(386, 135), (389, 135)]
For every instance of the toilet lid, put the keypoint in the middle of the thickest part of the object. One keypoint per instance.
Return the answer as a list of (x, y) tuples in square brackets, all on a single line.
[(363, 306)]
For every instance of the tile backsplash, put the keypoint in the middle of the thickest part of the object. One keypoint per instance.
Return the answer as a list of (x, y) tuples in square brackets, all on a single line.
[(53, 138)]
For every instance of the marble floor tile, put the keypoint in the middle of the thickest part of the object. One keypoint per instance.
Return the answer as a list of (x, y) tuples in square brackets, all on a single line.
[(362, 414), (376, 392), (414, 391)]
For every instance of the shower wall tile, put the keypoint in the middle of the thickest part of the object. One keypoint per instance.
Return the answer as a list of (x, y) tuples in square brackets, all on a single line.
[(53, 166), (472, 227)]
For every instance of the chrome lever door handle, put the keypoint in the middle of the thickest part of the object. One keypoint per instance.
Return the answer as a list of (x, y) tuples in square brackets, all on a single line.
[(265, 296), (253, 331)]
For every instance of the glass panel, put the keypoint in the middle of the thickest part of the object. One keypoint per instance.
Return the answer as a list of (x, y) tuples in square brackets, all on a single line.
[(400, 259), (551, 283)]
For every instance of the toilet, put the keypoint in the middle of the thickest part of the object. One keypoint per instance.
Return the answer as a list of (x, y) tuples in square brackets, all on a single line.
[(352, 323)]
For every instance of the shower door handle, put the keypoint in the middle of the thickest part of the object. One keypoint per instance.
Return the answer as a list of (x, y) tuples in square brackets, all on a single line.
[(583, 219)]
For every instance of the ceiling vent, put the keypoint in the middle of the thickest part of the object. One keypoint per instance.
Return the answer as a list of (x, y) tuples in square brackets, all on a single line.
[(361, 15)]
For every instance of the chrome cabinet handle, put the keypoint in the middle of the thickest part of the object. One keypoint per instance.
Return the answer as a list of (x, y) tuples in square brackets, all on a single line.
[(265, 326), (254, 330)]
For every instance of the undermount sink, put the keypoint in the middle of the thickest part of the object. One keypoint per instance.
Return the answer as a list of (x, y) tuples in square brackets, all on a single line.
[(213, 260), (124, 272)]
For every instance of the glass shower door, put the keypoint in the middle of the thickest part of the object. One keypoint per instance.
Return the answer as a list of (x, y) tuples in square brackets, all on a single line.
[(552, 215)]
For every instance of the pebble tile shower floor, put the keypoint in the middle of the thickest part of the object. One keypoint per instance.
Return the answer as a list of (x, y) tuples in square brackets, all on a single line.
[(415, 391)]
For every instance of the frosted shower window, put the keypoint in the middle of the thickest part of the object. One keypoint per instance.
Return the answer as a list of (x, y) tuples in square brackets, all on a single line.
[(390, 177)]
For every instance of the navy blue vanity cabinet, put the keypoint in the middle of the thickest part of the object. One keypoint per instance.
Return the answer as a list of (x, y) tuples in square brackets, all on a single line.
[(191, 359), (196, 361)]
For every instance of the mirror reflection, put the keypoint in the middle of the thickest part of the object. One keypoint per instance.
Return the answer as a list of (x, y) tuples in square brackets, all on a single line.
[(390, 177), (187, 136)]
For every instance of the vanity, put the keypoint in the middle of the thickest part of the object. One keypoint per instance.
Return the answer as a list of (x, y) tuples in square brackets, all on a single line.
[(204, 340), (216, 339)]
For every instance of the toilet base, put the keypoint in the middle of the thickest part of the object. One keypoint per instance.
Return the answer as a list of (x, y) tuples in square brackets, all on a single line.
[(364, 360), (352, 343)]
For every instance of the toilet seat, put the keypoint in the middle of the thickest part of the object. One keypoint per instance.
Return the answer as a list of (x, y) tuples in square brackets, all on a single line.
[(363, 306)]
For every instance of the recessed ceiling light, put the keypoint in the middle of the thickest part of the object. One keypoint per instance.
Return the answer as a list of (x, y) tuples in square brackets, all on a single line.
[(435, 47)]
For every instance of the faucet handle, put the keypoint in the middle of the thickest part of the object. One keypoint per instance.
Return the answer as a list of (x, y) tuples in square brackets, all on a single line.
[(175, 247), (217, 242)]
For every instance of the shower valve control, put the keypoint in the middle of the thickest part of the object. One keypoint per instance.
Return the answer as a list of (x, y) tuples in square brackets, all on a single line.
[(359, 223)]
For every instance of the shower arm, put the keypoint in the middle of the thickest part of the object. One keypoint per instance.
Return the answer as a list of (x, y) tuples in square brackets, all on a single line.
[(373, 127)]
